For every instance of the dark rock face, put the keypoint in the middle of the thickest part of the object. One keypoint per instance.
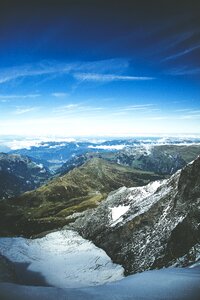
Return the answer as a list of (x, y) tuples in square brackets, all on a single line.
[(156, 226), (189, 182), (19, 174)]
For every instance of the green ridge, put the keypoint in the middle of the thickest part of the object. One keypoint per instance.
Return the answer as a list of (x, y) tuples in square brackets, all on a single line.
[(53, 204)]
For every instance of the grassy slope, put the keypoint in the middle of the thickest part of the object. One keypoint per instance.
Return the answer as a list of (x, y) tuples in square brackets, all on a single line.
[(53, 204)]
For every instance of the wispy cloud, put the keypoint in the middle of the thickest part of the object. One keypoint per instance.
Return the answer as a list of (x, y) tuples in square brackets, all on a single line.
[(137, 110), (59, 94), (54, 67), (189, 113), (10, 97), (190, 117), (189, 110), (183, 110), (14, 73), (102, 70), (137, 107), (65, 108), (76, 109), (186, 51), (86, 110), (183, 71), (108, 77), (21, 110), (159, 118)]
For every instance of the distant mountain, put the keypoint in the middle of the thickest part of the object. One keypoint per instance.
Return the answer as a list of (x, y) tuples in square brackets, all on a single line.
[(160, 159), (74, 162), (62, 199), (149, 227), (19, 174), (55, 154)]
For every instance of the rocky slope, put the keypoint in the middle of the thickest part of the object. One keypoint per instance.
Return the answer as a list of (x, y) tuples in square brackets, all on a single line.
[(149, 227), (64, 198), (19, 174)]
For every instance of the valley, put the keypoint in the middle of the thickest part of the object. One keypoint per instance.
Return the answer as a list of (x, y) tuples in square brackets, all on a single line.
[(139, 204)]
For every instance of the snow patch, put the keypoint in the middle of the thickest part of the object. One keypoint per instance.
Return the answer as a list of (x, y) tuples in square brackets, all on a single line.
[(138, 200), (147, 148), (64, 258), (40, 166), (118, 211)]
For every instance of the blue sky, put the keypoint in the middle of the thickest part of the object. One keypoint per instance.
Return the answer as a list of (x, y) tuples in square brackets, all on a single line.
[(99, 67)]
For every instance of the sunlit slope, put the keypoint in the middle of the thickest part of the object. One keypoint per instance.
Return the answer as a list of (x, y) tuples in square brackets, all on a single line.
[(56, 203)]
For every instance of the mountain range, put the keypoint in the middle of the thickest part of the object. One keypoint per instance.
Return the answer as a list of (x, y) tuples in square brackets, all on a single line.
[(140, 205), (57, 202), (160, 159), (19, 174), (147, 223), (53, 154)]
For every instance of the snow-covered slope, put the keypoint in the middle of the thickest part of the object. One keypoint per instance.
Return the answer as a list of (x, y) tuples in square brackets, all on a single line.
[(64, 258), (168, 284), (151, 226)]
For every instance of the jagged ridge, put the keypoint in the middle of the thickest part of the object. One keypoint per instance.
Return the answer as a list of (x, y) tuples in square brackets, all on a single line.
[(159, 226)]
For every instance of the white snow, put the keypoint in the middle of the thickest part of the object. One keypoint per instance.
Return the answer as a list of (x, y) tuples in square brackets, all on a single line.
[(40, 166), (153, 186), (119, 211), (57, 146), (138, 200), (64, 258), (140, 193), (147, 148), (108, 147), (166, 283), (147, 197)]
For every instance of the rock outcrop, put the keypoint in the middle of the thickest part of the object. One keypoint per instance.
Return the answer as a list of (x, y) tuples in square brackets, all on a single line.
[(149, 227)]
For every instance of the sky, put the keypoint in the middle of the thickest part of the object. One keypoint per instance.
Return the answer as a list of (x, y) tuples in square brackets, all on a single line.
[(115, 68)]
